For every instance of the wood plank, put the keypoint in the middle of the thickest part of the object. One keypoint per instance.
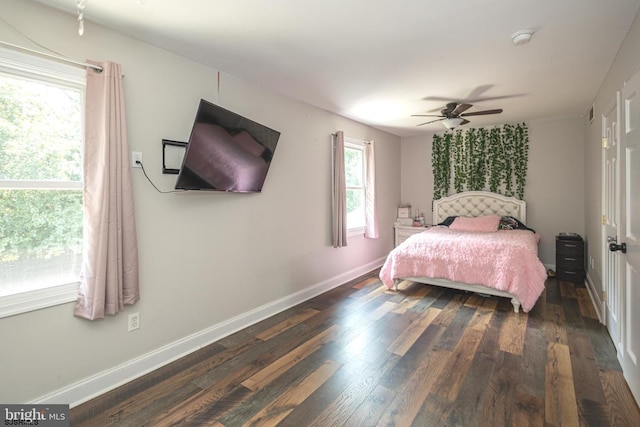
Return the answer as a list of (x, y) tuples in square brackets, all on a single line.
[(360, 302), (253, 359), (380, 336), (474, 301), (366, 282), (586, 305), (462, 355), (126, 408), (457, 365), (470, 399), (345, 404), (413, 299), (429, 300), (555, 327), (433, 412), (273, 370), (455, 326), (256, 401), (534, 359), (248, 333), (372, 333), (411, 335), (372, 409), (572, 315), (512, 333), (200, 409), (409, 363), (405, 406), (156, 383), (606, 356), (385, 308), (311, 407), (527, 411), (588, 387), (490, 303), (277, 410), (224, 381), (567, 290), (560, 400), (450, 310), (622, 408), (499, 399), (552, 292), (286, 324)]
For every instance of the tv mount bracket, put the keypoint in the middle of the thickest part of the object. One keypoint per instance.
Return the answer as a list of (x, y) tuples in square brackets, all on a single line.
[(165, 142)]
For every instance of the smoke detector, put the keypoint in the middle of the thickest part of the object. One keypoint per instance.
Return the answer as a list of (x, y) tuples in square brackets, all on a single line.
[(521, 37)]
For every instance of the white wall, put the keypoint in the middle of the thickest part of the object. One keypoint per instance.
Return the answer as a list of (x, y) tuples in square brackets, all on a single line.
[(627, 61), (554, 190), (417, 174), (205, 258)]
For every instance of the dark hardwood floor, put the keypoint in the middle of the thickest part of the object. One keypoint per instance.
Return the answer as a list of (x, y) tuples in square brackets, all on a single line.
[(361, 355)]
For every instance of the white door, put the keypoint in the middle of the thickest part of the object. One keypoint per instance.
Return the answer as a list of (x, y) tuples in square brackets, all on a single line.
[(630, 233), (610, 217)]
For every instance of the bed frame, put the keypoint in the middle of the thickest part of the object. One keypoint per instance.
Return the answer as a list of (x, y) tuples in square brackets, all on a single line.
[(474, 203)]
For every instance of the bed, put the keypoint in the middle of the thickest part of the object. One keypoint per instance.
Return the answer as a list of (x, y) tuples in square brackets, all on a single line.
[(508, 265)]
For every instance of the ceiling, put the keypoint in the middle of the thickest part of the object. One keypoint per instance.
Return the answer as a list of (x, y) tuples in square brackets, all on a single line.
[(380, 61)]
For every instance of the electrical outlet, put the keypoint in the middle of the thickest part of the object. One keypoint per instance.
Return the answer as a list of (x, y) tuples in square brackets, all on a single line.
[(134, 322), (136, 156)]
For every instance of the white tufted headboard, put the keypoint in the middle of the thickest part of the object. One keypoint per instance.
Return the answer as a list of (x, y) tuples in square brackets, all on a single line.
[(478, 203)]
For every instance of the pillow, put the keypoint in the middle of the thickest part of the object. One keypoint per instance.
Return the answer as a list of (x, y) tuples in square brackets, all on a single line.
[(488, 223), (447, 222), (511, 223)]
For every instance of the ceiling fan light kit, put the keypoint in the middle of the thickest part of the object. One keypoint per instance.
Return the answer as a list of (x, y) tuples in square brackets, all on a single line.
[(452, 123)]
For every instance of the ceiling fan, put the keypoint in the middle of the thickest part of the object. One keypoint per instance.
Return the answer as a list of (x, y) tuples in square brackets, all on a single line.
[(453, 115)]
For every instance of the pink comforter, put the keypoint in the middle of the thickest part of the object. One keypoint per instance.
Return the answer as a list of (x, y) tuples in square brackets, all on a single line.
[(506, 260)]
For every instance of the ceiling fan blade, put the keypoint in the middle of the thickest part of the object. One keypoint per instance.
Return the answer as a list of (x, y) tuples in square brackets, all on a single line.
[(461, 108), (426, 115), (482, 113), (464, 122), (432, 121)]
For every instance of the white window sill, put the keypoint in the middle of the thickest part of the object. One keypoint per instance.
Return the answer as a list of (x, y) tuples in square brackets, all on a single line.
[(11, 305), (354, 232)]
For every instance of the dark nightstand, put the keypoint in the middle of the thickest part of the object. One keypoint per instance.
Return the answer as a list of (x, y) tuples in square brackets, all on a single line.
[(570, 258)]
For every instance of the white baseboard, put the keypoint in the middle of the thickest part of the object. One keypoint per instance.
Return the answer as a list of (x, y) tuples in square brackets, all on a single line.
[(598, 304), (100, 383)]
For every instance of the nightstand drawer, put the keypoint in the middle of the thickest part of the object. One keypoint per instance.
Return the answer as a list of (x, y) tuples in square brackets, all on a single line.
[(410, 232), (570, 262), (570, 275), (403, 232), (569, 248)]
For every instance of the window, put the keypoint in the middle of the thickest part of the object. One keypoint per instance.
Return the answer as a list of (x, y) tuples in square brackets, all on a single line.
[(354, 164), (41, 138)]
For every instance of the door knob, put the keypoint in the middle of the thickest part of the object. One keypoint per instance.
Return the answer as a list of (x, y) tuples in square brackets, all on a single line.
[(622, 247)]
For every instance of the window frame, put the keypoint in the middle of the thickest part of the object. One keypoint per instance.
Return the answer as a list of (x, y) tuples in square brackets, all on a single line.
[(359, 145), (39, 69)]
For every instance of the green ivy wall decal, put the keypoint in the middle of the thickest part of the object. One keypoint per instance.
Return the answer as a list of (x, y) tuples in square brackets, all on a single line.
[(495, 158)]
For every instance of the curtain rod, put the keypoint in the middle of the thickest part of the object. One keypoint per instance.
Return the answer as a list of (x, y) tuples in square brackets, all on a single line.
[(366, 142), (56, 57)]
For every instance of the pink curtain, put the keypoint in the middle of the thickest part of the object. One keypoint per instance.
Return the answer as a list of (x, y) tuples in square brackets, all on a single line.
[(371, 213), (339, 192), (109, 278)]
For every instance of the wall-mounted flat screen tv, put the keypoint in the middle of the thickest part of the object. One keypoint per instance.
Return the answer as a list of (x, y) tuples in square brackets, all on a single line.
[(226, 152)]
